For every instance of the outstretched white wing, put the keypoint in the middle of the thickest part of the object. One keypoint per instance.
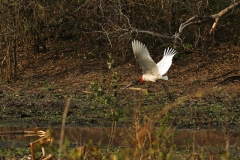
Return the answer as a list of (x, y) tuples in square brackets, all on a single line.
[(143, 58), (166, 62)]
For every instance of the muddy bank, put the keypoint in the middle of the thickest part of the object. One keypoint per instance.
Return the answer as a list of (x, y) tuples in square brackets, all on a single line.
[(213, 111)]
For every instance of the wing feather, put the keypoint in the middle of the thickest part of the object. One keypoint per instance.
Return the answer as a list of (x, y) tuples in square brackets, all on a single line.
[(143, 58), (166, 62)]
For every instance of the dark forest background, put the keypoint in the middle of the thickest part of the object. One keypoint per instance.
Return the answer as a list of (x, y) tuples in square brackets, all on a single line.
[(95, 28)]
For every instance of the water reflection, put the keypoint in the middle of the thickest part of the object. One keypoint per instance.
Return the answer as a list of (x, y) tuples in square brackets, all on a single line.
[(83, 135)]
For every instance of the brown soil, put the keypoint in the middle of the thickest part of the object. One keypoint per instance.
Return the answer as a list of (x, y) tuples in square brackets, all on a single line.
[(38, 97)]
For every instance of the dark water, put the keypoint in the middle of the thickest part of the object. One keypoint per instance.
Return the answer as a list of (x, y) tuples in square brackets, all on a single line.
[(81, 136)]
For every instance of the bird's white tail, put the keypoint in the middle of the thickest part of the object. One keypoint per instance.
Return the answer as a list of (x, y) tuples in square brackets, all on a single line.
[(165, 77)]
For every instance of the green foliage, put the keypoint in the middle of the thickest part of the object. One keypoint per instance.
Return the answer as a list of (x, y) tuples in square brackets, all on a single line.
[(109, 99), (110, 61), (188, 46), (14, 152)]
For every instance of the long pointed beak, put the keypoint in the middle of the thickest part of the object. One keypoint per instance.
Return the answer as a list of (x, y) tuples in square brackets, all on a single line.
[(131, 84)]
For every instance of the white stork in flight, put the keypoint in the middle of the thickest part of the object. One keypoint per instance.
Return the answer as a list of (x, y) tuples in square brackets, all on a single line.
[(151, 70)]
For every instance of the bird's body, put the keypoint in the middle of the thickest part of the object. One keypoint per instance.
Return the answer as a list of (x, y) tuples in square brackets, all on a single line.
[(151, 70), (152, 78)]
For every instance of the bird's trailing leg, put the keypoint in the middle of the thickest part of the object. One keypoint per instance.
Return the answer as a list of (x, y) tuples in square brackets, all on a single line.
[(168, 93)]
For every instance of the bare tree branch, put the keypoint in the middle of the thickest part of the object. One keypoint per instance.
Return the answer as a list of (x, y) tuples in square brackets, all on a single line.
[(122, 24), (220, 14), (152, 33), (193, 21)]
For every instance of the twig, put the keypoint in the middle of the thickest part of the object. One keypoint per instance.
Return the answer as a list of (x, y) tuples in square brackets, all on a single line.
[(223, 75), (227, 80), (86, 92), (136, 89), (113, 131), (107, 35), (63, 126), (154, 34)]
